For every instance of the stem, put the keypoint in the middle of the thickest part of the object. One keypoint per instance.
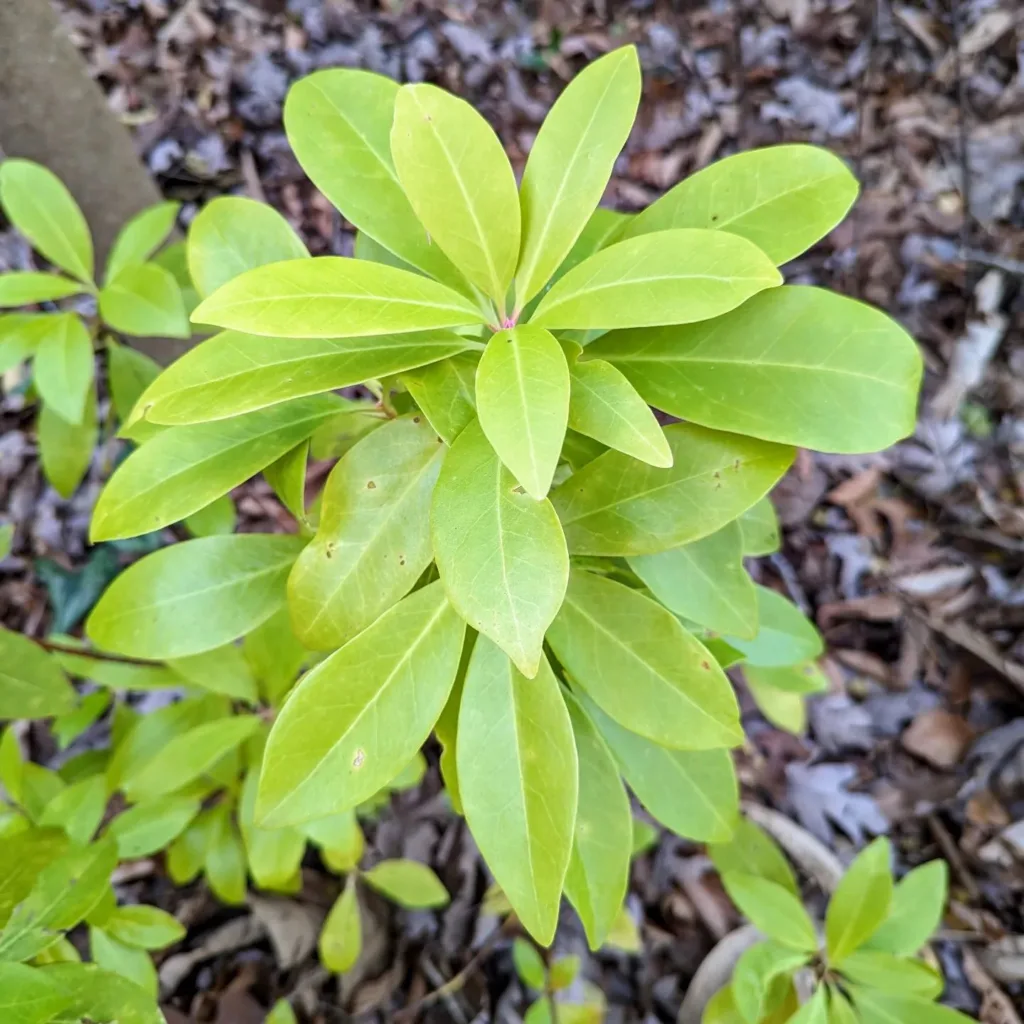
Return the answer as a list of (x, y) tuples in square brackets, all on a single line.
[(55, 648)]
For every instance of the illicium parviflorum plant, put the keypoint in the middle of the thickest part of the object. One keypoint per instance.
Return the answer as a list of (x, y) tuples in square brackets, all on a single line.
[(511, 551)]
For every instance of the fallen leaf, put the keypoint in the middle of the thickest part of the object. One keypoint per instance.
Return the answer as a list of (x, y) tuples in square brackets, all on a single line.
[(938, 737)]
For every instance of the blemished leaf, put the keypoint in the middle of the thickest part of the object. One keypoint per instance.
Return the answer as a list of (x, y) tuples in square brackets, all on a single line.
[(529, 965), (815, 369), (24, 288), (231, 235), (27, 996), (773, 910), (759, 526), (129, 373), (63, 366), (861, 901), (340, 839), (616, 505), (287, 479), (373, 540), (327, 751), (704, 582), (677, 696), (282, 1013), (194, 596), (144, 927), (353, 298), (408, 883), (32, 684), (783, 708), (146, 828), (754, 973), (781, 198), (522, 396), (180, 471), (145, 300), (77, 810), (673, 277), (218, 518), (889, 973), (445, 391), (784, 635), (875, 1007), (918, 902), (693, 793), (454, 171), (141, 237), (598, 872), (101, 995), (127, 961), (341, 940), (225, 857), (42, 209), (338, 122), (752, 851), (501, 555), (518, 781), (274, 855), (570, 164)]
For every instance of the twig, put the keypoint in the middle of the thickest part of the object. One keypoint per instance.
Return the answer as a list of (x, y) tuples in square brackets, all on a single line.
[(989, 259), (55, 648), (951, 852)]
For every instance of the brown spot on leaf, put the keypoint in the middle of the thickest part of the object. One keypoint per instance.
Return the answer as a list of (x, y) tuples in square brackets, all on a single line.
[(370, 485)]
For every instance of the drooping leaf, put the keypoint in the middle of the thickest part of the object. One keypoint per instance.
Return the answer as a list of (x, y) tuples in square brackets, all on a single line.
[(815, 369), (888, 973), (342, 937), (571, 161), (518, 781), (408, 883), (751, 851), (760, 528), (875, 1007), (445, 391), (129, 373), (77, 810), (127, 961), (677, 695), (100, 995), (225, 857), (784, 635), (26, 287), (327, 750), (773, 910), (781, 198), (28, 996), (274, 855), (287, 478), (218, 518), (141, 237), (32, 684), (861, 901), (501, 555), (144, 300), (918, 902), (63, 366), (148, 827), (616, 505), (144, 927), (193, 597), (522, 394), (373, 540), (673, 277)]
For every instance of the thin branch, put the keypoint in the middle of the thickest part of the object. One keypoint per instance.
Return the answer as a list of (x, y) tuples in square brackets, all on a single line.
[(56, 648)]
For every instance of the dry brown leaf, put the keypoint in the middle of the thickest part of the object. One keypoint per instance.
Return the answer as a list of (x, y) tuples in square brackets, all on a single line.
[(938, 737)]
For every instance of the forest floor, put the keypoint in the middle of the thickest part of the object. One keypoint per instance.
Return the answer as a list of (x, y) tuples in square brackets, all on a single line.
[(911, 561)]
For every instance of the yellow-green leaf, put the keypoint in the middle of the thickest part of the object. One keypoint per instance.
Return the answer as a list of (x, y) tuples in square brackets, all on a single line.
[(773, 910), (342, 937), (225, 857), (445, 391), (918, 902), (78, 809), (529, 965), (861, 901), (282, 1013), (26, 287), (287, 478), (760, 528), (66, 449), (875, 1007), (100, 995), (274, 855), (889, 973), (149, 827), (144, 927), (63, 366), (127, 961), (219, 517), (751, 851), (129, 373), (408, 883), (32, 684), (784, 635), (27, 996), (143, 300), (141, 237)]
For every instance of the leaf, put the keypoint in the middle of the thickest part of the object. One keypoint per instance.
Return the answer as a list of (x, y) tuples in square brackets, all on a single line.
[(68, 727), (41, 208), (408, 883), (522, 393), (22, 858), (672, 277), (889, 973), (624, 934), (692, 792), (861, 901), (784, 635), (174, 257), (274, 855), (815, 369), (756, 970), (338, 123), (77, 810), (25, 288), (759, 526), (32, 684), (704, 582), (645, 837), (287, 479), (918, 902), (373, 540), (327, 750), (752, 851), (180, 471), (721, 1009), (501, 555), (564, 972), (100, 995), (282, 1013), (129, 373), (145, 300), (141, 237), (518, 781), (217, 518), (453, 169), (27, 996), (529, 965), (598, 872), (144, 927), (445, 391), (231, 235), (63, 366), (275, 656), (800, 679), (814, 1011), (571, 161), (618, 506), (340, 840), (225, 857), (677, 695), (149, 827), (781, 198), (839, 1009), (876, 1007), (773, 910), (341, 940), (128, 962), (187, 854), (353, 298), (782, 708), (194, 596)]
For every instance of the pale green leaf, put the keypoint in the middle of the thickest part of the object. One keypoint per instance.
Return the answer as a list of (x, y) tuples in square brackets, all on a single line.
[(275, 656), (77, 810), (518, 781), (672, 277), (327, 750), (446, 728), (39, 786), (144, 927), (32, 684), (571, 161), (501, 555), (454, 171), (41, 208), (782, 708), (861, 901), (598, 872), (231, 235), (225, 857), (781, 198), (187, 853), (408, 883), (340, 840), (145, 300), (918, 902), (815, 1010), (564, 972), (876, 1007), (645, 837), (66, 449), (22, 858), (616, 505), (334, 297), (218, 518), (127, 961), (804, 679), (721, 1009), (522, 394), (118, 675), (287, 479), (24, 288), (840, 1011), (102, 996), (367, 248), (12, 762), (373, 539), (342, 937), (193, 597), (282, 1013), (814, 369), (182, 470), (20, 333), (141, 237), (274, 855), (760, 528), (6, 539), (529, 965), (174, 257), (677, 695), (756, 970), (773, 910), (888, 973), (63, 366), (129, 373), (445, 391), (624, 935), (752, 851), (28, 996), (68, 727), (149, 827), (784, 635)]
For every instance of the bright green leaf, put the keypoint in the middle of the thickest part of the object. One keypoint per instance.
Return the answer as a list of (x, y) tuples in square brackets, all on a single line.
[(187, 854), (341, 940), (815, 1010), (129, 373), (784, 635), (39, 786), (408, 883), (721, 1009), (127, 961), (645, 837), (918, 902), (445, 391), (773, 910), (760, 528), (803, 679), (77, 810), (174, 257), (24, 288), (275, 656), (68, 727), (141, 237), (624, 935), (149, 827), (876, 1007), (145, 300), (840, 1011), (66, 449), (28, 996), (22, 858), (218, 518), (223, 670), (752, 851), (32, 684), (274, 855), (63, 367), (144, 927), (564, 972), (529, 965), (889, 973), (756, 970), (282, 1013), (101, 995), (861, 901), (287, 479), (783, 708), (225, 857), (340, 839)]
